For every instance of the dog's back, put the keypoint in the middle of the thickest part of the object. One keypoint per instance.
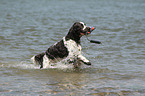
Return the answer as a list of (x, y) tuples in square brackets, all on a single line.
[(57, 50)]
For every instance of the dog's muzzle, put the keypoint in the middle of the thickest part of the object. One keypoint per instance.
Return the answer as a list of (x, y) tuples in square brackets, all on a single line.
[(87, 31)]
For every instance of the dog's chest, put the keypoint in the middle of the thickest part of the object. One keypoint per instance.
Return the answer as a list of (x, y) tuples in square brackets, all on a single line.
[(73, 48)]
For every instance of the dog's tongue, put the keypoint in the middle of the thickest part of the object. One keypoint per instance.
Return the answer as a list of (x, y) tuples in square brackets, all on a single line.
[(92, 28)]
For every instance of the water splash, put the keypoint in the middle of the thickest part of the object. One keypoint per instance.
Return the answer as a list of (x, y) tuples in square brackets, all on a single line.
[(30, 65)]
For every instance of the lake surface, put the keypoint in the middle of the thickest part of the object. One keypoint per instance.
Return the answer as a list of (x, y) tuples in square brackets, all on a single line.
[(29, 27)]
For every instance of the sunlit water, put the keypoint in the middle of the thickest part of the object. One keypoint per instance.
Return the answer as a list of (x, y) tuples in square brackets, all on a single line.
[(29, 27)]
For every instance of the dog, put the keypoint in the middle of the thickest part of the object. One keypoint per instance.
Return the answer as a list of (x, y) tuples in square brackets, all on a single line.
[(69, 48)]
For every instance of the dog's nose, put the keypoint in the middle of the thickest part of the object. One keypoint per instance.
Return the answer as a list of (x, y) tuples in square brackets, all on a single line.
[(91, 29)]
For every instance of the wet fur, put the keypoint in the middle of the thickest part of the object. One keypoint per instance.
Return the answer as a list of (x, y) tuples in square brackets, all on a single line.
[(68, 48)]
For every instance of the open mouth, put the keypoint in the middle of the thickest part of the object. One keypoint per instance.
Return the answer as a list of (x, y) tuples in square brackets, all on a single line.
[(87, 31)]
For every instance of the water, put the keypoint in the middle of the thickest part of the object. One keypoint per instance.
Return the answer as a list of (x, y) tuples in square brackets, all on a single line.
[(30, 27)]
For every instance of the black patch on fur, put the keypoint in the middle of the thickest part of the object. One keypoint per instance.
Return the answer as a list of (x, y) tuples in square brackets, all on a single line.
[(39, 59), (74, 32), (57, 51)]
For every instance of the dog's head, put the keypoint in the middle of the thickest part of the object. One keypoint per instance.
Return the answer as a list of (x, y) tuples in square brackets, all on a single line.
[(78, 30)]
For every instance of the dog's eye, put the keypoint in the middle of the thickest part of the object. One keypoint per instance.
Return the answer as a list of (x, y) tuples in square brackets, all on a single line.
[(82, 25)]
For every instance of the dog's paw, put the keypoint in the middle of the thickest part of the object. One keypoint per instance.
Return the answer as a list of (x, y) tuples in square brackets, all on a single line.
[(87, 63)]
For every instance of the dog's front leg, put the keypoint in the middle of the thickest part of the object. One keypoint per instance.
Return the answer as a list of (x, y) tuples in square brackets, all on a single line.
[(84, 60)]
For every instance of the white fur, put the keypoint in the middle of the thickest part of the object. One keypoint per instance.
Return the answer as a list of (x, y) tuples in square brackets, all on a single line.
[(46, 62), (74, 50), (83, 25)]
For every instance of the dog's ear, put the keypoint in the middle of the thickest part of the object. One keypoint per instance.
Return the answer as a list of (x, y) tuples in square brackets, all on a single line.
[(77, 26)]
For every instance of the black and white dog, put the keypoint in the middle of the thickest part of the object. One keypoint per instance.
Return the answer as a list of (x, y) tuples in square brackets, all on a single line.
[(68, 48)]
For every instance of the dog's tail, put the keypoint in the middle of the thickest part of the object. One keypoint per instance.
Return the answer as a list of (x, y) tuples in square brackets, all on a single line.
[(38, 59)]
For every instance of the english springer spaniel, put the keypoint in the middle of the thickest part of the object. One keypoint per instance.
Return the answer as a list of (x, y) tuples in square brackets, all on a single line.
[(68, 48)]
